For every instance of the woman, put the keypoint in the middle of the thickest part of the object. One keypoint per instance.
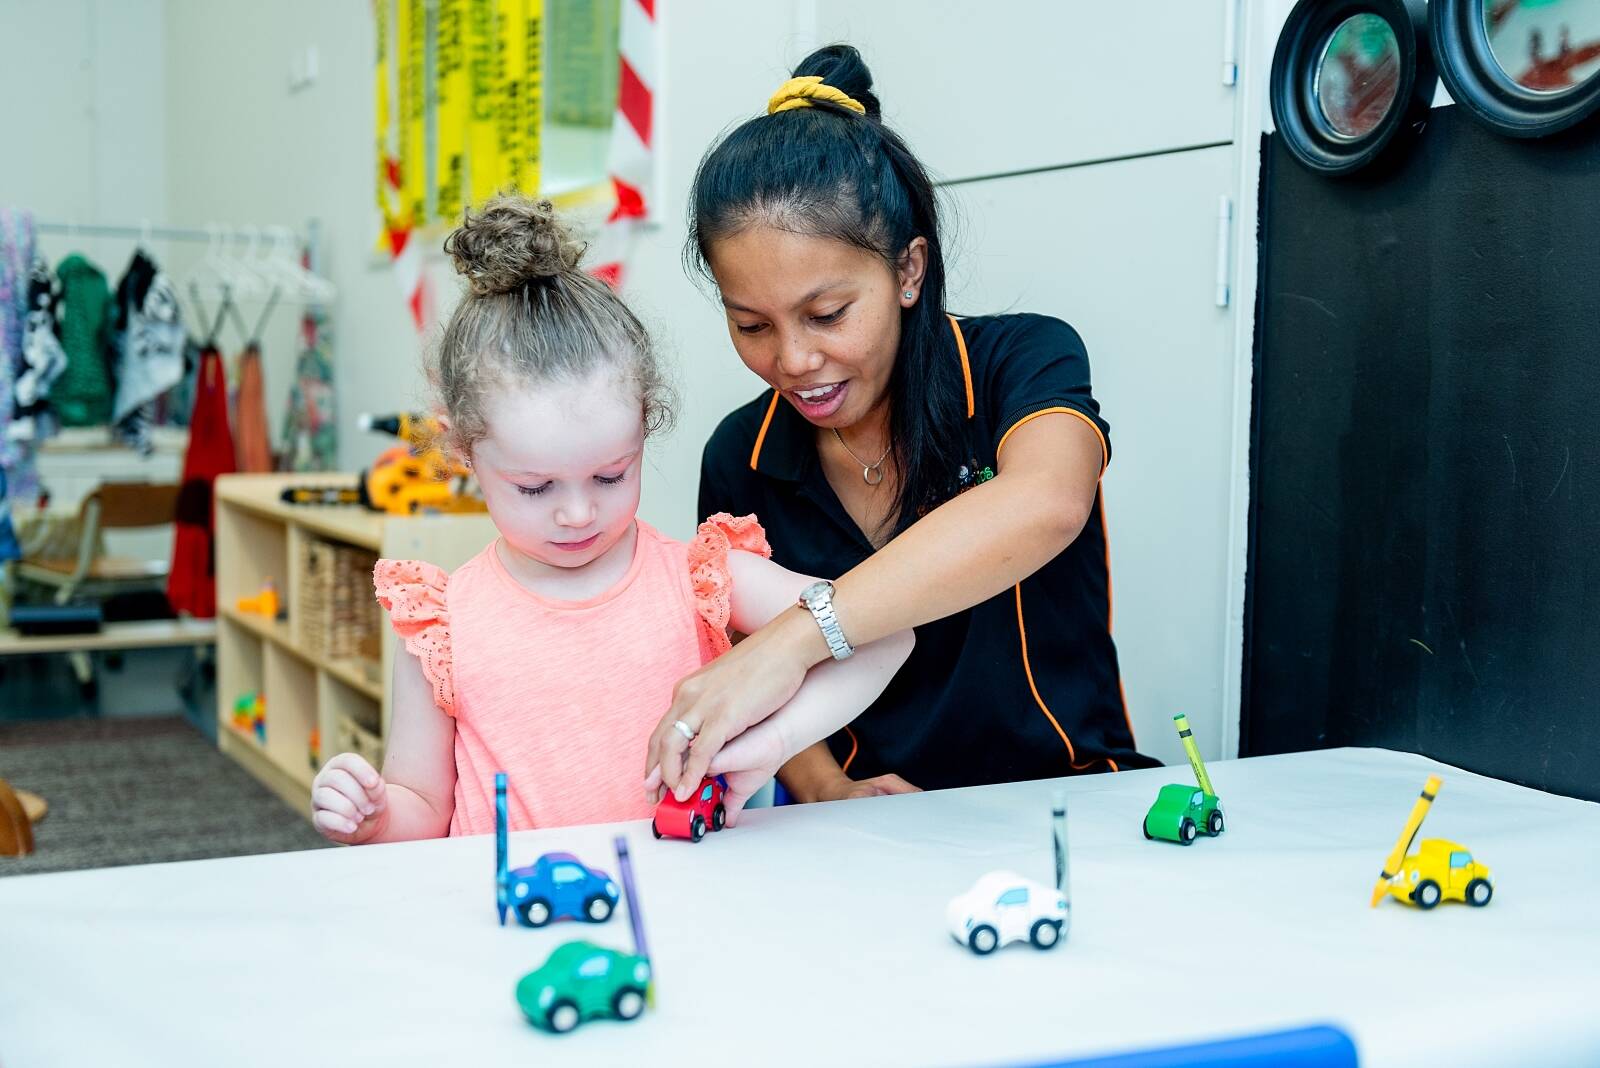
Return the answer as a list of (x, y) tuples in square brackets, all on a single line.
[(947, 470)]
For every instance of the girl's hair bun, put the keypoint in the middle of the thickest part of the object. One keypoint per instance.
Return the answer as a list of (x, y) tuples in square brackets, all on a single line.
[(511, 242)]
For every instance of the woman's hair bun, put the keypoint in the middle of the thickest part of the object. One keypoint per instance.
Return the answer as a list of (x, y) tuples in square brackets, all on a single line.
[(510, 242), (842, 67)]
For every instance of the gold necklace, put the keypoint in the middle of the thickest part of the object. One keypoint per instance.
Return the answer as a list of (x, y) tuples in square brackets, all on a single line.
[(871, 474)]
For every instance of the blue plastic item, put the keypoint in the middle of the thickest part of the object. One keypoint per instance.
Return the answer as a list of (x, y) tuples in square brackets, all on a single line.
[(1309, 1047)]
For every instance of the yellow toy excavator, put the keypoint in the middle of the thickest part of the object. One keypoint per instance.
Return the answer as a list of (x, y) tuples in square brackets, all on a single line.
[(408, 479)]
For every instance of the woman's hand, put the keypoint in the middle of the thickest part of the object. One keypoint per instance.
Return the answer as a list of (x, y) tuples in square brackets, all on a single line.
[(349, 800), (724, 698), (747, 764), (846, 788)]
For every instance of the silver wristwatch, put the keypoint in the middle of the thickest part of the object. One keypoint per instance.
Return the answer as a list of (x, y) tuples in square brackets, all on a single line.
[(818, 599)]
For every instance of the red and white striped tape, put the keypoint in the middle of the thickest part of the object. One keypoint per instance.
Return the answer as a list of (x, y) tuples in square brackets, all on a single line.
[(406, 258), (631, 160)]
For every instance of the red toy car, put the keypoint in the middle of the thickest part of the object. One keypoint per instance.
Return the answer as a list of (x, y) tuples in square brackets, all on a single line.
[(688, 819)]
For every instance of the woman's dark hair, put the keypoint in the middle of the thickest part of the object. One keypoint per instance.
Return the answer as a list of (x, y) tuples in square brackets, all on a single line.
[(830, 172)]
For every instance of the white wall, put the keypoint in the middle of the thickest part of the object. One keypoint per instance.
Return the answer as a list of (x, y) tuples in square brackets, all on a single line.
[(244, 149), (85, 119)]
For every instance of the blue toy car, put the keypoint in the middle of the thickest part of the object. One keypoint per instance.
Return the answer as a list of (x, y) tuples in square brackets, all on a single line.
[(558, 885)]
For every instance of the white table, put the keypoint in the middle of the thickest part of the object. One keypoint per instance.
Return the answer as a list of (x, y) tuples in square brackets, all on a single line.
[(814, 935)]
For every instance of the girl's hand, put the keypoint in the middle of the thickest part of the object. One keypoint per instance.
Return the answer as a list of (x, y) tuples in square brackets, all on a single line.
[(719, 702), (349, 800)]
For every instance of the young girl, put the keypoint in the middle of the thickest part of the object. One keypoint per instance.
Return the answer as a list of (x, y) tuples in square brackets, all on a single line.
[(551, 654)]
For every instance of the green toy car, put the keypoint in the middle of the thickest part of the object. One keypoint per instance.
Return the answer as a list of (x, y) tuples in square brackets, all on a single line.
[(1181, 812), (582, 981)]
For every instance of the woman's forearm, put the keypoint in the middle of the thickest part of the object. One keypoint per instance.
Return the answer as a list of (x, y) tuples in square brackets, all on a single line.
[(808, 775)]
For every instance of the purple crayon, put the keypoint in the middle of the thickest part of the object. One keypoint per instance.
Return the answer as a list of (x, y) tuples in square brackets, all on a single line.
[(631, 892)]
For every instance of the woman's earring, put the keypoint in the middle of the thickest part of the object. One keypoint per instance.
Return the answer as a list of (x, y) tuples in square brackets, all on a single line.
[(911, 295)]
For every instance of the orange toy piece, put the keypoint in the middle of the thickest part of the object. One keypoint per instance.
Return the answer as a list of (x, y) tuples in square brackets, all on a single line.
[(403, 482), (264, 603), (418, 476)]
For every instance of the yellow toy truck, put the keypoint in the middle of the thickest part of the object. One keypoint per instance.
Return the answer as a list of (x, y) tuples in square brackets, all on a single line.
[(1441, 870)]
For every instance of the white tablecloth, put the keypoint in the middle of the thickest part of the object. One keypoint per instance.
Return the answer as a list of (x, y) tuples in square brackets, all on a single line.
[(814, 935)]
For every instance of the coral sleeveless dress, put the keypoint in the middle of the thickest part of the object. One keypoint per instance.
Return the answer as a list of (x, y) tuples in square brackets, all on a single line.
[(563, 695)]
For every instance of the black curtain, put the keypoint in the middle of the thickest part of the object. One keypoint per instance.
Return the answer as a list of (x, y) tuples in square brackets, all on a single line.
[(1425, 459)]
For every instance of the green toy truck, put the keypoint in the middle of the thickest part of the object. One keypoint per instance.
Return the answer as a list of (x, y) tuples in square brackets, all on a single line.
[(582, 981), (1181, 812)]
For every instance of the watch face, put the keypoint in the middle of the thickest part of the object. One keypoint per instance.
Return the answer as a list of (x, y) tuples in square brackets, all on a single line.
[(815, 591)]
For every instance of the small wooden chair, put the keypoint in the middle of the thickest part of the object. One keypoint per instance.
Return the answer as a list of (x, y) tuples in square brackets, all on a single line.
[(16, 828), (113, 506)]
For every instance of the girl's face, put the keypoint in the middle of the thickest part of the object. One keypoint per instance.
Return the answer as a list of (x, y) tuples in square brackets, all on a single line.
[(817, 318), (559, 466)]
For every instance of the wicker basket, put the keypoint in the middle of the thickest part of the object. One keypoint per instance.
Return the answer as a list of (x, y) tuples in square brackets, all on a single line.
[(338, 614), (354, 738)]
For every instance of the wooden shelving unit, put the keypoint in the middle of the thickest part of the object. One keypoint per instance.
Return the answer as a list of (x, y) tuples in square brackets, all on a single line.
[(345, 699)]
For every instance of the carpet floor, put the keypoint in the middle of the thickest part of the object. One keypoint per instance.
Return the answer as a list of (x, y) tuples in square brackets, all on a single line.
[(139, 791)]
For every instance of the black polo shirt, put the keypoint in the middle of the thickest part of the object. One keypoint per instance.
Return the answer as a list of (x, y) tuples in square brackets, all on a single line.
[(1022, 686)]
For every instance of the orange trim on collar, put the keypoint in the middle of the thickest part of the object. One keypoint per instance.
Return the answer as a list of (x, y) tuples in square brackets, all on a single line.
[(855, 747), (966, 368), (761, 435)]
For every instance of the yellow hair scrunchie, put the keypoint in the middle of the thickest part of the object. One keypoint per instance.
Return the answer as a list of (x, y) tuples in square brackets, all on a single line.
[(799, 92)]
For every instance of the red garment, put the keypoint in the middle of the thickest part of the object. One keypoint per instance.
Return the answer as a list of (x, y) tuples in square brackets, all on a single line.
[(192, 583), (250, 419)]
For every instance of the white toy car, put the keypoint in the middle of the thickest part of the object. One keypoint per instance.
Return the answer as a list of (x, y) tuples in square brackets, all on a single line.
[(1003, 907)]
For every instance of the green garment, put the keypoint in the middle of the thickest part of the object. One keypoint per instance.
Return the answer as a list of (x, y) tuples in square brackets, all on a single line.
[(82, 395)]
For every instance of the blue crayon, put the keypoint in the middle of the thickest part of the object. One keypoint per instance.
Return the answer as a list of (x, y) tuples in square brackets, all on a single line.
[(500, 875)]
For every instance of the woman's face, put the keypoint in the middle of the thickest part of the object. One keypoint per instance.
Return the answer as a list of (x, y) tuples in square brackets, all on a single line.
[(816, 318)]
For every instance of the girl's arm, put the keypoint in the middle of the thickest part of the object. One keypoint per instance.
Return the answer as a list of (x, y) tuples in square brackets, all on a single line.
[(415, 795), (830, 695), (958, 555)]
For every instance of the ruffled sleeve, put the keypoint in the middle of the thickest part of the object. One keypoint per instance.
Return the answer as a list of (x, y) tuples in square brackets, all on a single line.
[(413, 593), (709, 579)]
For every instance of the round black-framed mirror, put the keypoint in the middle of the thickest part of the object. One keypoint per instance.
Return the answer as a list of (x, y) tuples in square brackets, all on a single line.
[(1349, 77), (1523, 68)]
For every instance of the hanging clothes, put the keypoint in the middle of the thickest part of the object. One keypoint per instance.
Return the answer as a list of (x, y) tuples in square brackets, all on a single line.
[(174, 407), (33, 419), (191, 584), (16, 253), (250, 401), (149, 341), (10, 548), (310, 433), (16, 257), (82, 396), (253, 445)]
